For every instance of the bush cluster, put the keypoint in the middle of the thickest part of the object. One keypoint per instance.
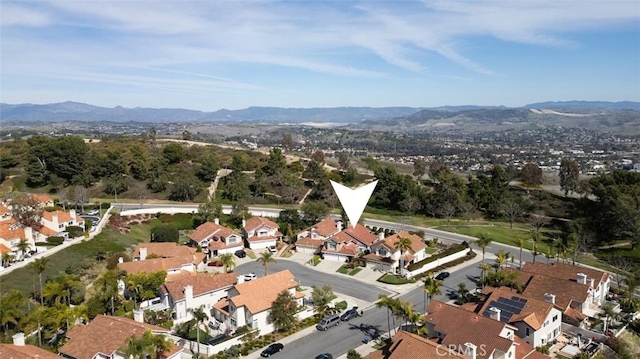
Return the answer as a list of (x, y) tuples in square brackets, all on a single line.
[(55, 240)]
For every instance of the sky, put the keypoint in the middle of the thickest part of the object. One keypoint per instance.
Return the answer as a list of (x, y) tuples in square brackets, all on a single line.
[(209, 55)]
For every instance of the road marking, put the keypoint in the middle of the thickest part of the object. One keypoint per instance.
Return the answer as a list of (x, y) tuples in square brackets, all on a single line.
[(354, 200)]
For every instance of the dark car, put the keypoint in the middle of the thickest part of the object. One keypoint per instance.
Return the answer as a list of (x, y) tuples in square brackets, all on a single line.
[(349, 314), (215, 264), (443, 275), (324, 356), (272, 349), (240, 253)]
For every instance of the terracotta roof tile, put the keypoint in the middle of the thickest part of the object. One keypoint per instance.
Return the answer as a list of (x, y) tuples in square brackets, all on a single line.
[(361, 234), (325, 228), (377, 258), (565, 291), (10, 230), (417, 244), (210, 229), (62, 216), (202, 283), (258, 294), (524, 350), (215, 245), (153, 265), (349, 249), (4, 210), (254, 223), (406, 345), (46, 231), (10, 351), (264, 238), (534, 312), (165, 250), (309, 242), (42, 198), (460, 326), (104, 334), (4, 249), (564, 271)]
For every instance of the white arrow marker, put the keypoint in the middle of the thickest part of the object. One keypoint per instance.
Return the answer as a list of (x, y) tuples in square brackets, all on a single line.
[(354, 200)]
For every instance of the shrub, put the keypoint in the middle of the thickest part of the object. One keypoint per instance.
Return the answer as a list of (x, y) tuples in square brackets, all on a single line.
[(165, 233), (55, 240), (75, 231)]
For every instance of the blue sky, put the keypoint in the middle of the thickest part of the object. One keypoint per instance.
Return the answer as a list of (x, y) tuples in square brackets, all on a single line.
[(209, 55)]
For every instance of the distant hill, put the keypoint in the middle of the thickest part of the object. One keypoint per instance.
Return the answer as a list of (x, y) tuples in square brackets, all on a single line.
[(624, 105)]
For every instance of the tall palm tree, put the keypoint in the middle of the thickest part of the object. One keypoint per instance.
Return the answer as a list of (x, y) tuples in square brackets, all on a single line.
[(39, 266), (534, 251), (54, 291), (432, 288), (69, 281), (384, 302), (561, 248), (265, 258), (107, 285), (417, 319), (199, 316), (159, 344), (483, 241), (607, 315), (227, 262), (10, 309), (133, 287), (463, 292), (520, 242), (6, 258), (484, 268), (501, 259), (403, 244), (23, 246)]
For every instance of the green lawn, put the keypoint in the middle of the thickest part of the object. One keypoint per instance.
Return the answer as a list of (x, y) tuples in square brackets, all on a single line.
[(393, 279), (430, 250), (345, 270)]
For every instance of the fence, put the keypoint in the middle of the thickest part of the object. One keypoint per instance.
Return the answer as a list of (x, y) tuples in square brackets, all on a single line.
[(437, 263)]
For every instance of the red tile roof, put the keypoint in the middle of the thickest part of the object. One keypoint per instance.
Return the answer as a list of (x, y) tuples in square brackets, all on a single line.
[(258, 294), (62, 216), (407, 345), (565, 291), (202, 283), (460, 326), (153, 265), (254, 223), (104, 334), (309, 242), (325, 227), (360, 233), (564, 271), (10, 351), (209, 229), (166, 250), (534, 312), (4, 210), (417, 244), (10, 229)]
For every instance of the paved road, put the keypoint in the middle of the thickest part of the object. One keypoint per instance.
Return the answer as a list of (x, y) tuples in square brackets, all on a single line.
[(307, 276)]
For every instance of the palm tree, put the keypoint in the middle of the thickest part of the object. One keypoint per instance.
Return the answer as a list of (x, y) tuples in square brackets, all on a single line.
[(463, 292), (561, 248), (107, 285), (23, 246), (632, 283), (69, 281), (10, 309), (483, 242), (265, 258), (54, 291), (149, 346), (432, 288), (384, 302), (484, 268), (402, 244), (133, 287), (39, 265), (534, 251), (199, 316), (501, 259), (520, 243), (418, 321), (227, 261), (159, 344), (607, 314), (6, 258)]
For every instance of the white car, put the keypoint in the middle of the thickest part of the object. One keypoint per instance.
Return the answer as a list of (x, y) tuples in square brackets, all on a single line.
[(272, 249), (95, 212), (250, 276)]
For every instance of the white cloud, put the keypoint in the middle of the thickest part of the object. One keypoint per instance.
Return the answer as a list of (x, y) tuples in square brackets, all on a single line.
[(13, 14)]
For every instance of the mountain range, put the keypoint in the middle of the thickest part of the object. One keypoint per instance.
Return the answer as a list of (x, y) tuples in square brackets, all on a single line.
[(610, 116)]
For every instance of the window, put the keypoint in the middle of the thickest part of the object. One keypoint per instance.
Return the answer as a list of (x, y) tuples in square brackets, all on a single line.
[(527, 332), (233, 321), (255, 324), (60, 226), (546, 323), (544, 341), (555, 317)]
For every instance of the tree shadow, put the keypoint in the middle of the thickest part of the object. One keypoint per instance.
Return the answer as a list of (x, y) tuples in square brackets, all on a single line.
[(371, 331)]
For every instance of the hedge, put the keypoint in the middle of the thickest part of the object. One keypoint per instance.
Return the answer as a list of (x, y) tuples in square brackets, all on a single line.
[(75, 231), (449, 251), (55, 240)]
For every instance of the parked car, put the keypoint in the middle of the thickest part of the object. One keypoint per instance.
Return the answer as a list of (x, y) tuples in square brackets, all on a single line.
[(250, 276), (349, 314), (443, 275), (94, 212), (272, 249), (215, 264), (328, 322), (272, 349), (324, 356), (240, 253)]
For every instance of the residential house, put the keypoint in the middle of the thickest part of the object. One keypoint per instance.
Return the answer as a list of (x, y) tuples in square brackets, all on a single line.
[(11, 234), (190, 292), (20, 350), (105, 336), (385, 257), (215, 239), (249, 303), (537, 322), (43, 199), (312, 239), (405, 345), (54, 224), (5, 213), (475, 335), (260, 233), (598, 281), (348, 243)]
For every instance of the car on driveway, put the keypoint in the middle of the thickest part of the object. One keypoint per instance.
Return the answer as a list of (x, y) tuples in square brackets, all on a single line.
[(272, 249), (324, 356), (442, 275), (94, 212), (240, 253), (349, 314), (272, 349), (250, 276)]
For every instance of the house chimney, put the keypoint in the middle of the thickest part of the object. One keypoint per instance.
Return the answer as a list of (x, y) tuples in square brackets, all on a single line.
[(138, 315), (339, 225), (581, 278), (28, 234), (120, 260), (143, 253), (494, 313), (188, 294), (470, 350), (54, 219), (381, 235), (18, 339), (240, 279), (551, 298), (244, 223), (592, 282), (72, 212), (216, 221)]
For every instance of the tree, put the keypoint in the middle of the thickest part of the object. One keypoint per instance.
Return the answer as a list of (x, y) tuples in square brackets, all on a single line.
[(520, 242), (23, 246), (314, 211), (173, 153), (186, 135), (283, 311), (139, 162), (483, 241), (185, 189), (235, 187), (501, 259), (419, 168), (165, 233), (27, 211), (403, 244), (385, 302), (208, 211), (538, 221), (80, 196), (353, 354), (435, 168), (208, 170), (65, 157), (287, 142), (37, 174), (447, 210), (463, 293), (276, 163), (569, 176), (39, 265), (535, 238), (321, 297), (318, 158), (107, 286), (227, 262), (11, 305), (344, 161), (467, 210), (432, 288), (116, 184), (512, 209), (531, 175), (199, 317), (484, 268), (265, 258)]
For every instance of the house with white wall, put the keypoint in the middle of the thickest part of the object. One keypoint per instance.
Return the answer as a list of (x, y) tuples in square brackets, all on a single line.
[(385, 257), (11, 234), (215, 239), (348, 243), (312, 239), (249, 303), (55, 223), (200, 290), (260, 233)]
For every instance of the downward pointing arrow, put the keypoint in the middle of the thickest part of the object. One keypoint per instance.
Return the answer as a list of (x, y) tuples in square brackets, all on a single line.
[(354, 200)]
